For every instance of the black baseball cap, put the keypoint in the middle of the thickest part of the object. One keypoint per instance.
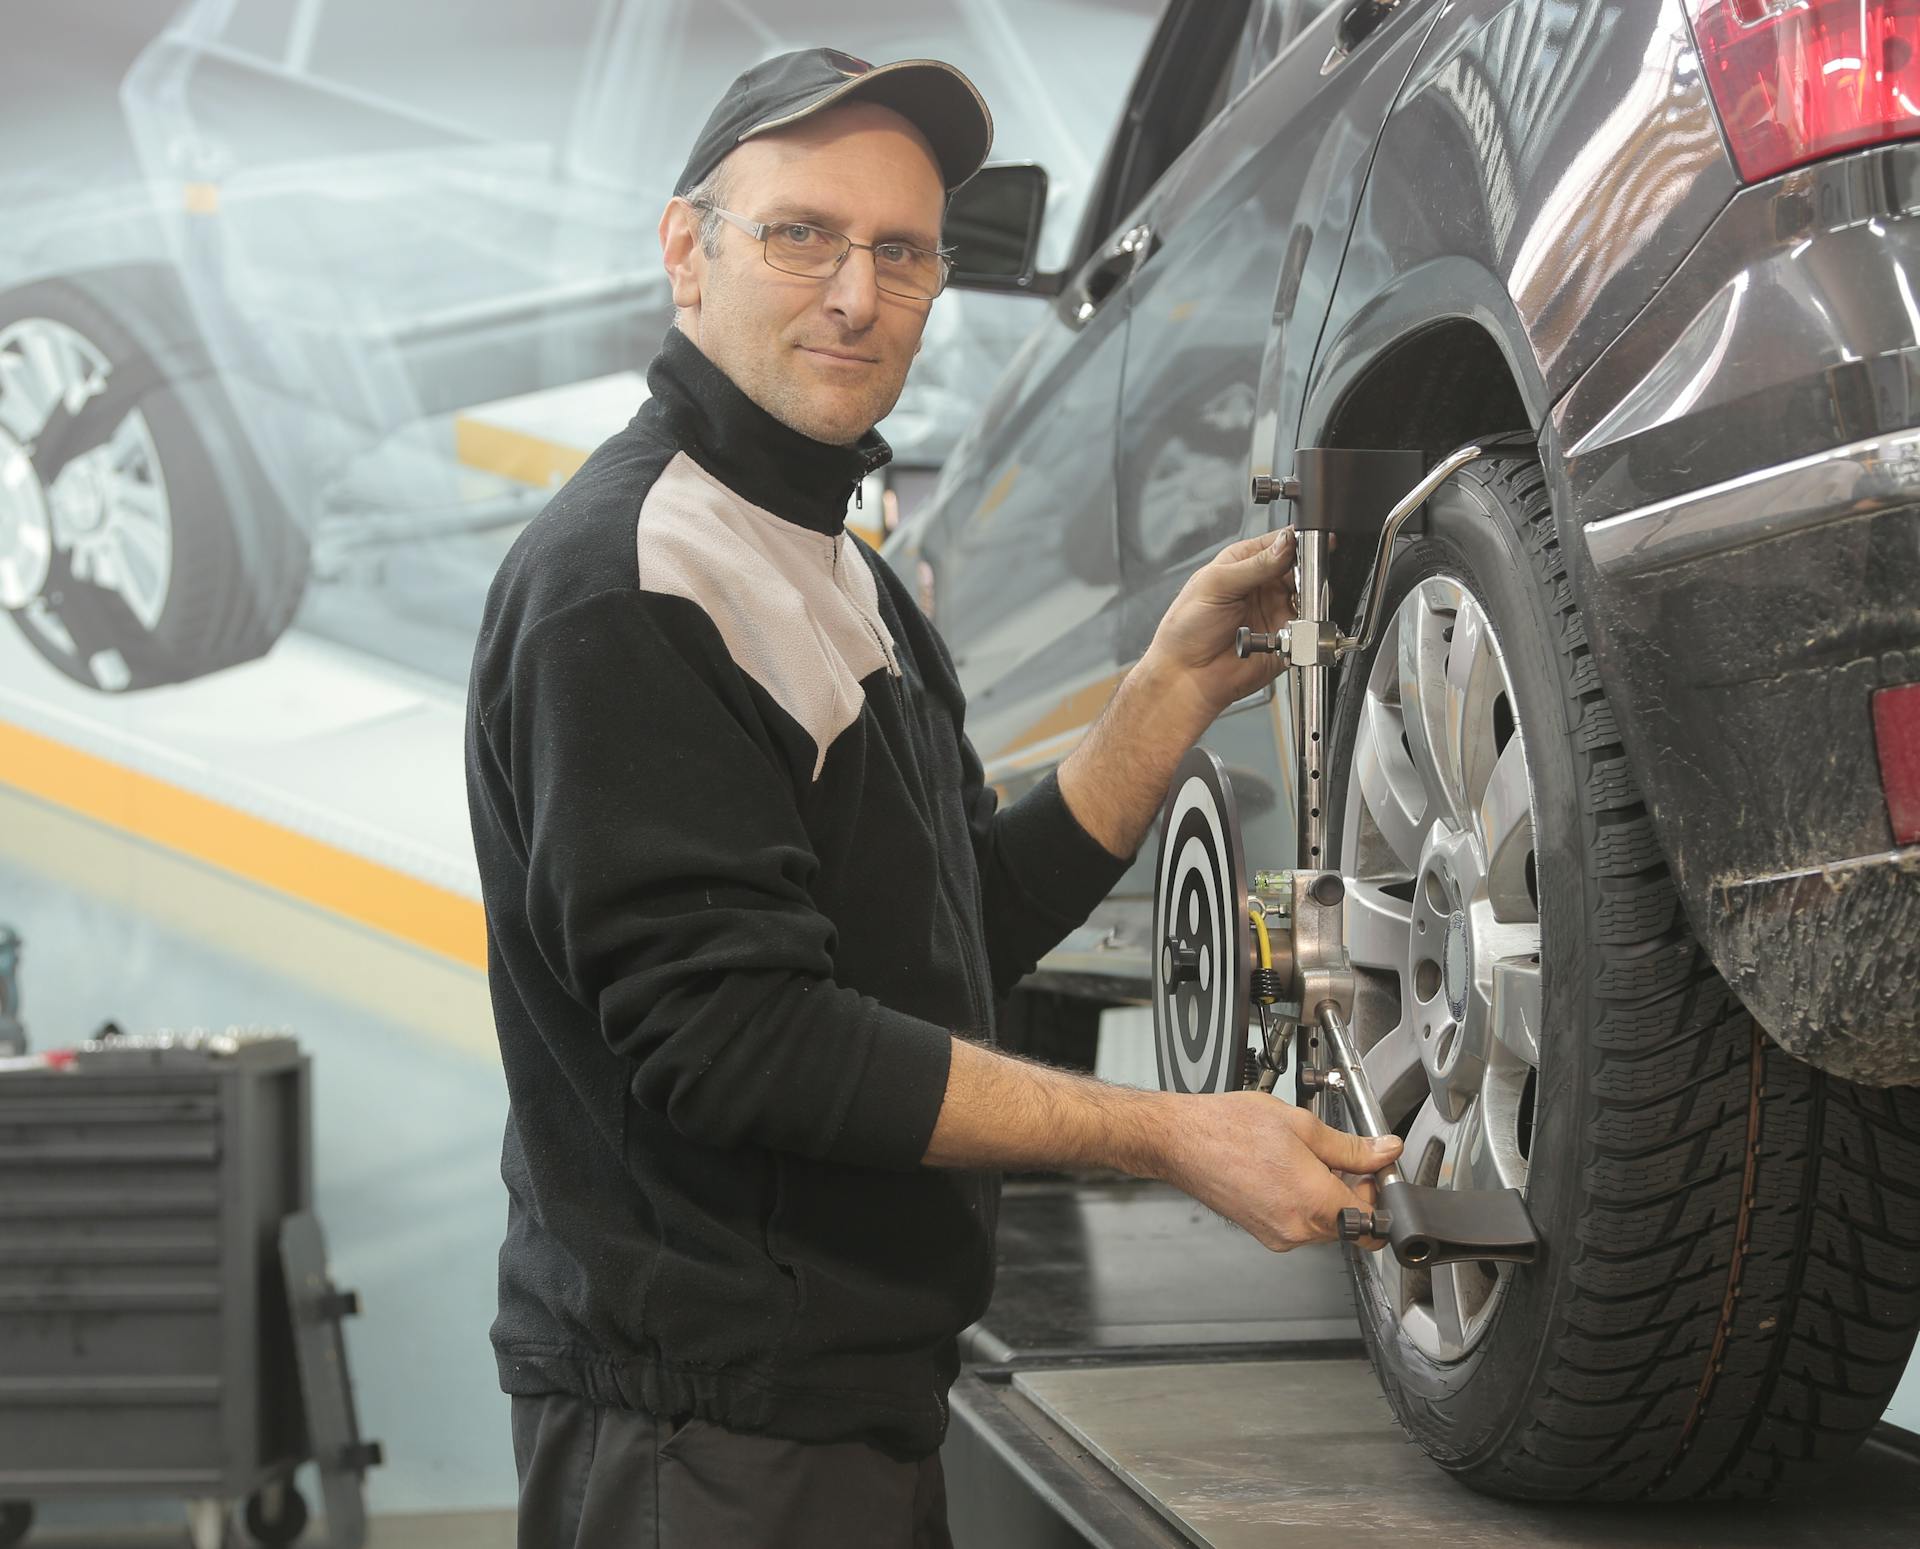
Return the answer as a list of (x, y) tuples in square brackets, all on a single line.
[(935, 97)]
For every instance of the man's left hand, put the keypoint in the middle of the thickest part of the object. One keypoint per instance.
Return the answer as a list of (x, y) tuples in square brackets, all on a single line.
[(1250, 584), (1115, 781)]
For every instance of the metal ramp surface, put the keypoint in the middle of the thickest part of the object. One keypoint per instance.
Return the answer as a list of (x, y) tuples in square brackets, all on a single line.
[(1148, 1378), (1252, 1454)]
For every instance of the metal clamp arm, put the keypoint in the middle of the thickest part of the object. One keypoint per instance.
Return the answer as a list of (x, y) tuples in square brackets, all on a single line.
[(1410, 502)]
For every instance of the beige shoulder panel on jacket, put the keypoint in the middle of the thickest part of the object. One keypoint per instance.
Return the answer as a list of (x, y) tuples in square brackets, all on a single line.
[(798, 610)]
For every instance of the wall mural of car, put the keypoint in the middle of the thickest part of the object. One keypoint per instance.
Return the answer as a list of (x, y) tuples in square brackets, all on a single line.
[(1641, 736), (243, 378)]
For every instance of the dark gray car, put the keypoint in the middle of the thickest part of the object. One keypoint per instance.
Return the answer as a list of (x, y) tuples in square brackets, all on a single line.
[(1627, 795)]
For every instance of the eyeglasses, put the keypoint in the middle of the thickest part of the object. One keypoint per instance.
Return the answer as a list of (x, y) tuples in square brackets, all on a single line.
[(794, 247)]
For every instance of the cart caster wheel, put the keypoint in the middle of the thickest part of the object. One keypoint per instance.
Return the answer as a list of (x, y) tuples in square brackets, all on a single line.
[(16, 1520), (287, 1521)]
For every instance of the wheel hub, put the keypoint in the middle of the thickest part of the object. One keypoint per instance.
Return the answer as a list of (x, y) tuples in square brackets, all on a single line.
[(79, 499)]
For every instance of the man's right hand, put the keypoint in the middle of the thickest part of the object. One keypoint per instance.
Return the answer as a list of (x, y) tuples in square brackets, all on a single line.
[(1268, 1166)]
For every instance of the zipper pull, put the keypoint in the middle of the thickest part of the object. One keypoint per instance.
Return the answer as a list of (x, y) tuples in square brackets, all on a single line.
[(860, 496)]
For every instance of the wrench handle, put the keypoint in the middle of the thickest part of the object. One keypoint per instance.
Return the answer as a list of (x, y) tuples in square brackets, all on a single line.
[(1362, 1106)]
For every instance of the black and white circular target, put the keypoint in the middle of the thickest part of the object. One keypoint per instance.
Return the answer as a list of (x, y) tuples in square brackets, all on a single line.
[(1202, 953)]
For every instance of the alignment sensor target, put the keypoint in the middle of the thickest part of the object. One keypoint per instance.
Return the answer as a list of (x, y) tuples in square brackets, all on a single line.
[(1202, 954)]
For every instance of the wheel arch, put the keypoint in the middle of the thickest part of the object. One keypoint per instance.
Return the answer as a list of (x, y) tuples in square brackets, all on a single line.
[(1432, 360)]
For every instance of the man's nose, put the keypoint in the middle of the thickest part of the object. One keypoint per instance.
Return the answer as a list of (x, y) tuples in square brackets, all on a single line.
[(852, 294)]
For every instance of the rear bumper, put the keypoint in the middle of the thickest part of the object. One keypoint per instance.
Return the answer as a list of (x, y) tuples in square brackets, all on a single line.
[(1742, 628), (1742, 632)]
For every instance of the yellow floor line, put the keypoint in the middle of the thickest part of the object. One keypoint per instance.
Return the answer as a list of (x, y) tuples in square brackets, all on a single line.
[(357, 889)]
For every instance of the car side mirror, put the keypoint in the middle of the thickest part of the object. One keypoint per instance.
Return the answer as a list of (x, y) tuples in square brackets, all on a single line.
[(993, 226)]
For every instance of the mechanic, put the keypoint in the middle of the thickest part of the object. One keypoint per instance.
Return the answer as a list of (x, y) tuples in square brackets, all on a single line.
[(750, 905)]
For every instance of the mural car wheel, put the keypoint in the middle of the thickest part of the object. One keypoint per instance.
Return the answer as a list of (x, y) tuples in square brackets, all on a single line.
[(140, 544), (1717, 1219), (1202, 954)]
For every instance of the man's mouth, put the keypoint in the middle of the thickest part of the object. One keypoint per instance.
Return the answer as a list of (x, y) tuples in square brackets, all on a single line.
[(845, 356)]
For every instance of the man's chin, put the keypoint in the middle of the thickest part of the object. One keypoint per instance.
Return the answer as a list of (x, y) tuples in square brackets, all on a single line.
[(838, 429), (838, 418)]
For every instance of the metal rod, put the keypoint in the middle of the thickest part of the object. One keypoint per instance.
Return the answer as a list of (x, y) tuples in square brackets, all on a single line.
[(1410, 502), (1362, 1106), (1310, 706)]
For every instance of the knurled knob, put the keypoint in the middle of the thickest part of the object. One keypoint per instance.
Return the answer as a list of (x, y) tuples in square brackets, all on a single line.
[(1178, 963)]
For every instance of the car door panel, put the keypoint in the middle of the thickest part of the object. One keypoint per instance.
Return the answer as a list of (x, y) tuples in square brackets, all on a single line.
[(1029, 639), (1251, 224)]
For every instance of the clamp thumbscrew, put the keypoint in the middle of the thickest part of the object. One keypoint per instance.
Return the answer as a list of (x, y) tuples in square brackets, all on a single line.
[(1267, 489), (1355, 1224), (1246, 642)]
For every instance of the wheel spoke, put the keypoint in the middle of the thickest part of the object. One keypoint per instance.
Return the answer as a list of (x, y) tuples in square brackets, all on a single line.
[(136, 502), (1477, 1163), (1515, 1011), (1394, 794), (1503, 821), (23, 407), (143, 556), (64, 373), (1424, 698), (129, 448), (1474, 682), (1394, 1071), (1431, 1128), (1447, 1318), (1378, 925)]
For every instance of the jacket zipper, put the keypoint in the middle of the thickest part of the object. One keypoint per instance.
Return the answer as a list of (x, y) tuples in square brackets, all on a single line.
[(977, 978)]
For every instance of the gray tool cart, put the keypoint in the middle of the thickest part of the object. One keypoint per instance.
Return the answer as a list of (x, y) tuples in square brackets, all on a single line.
[(167, 1327)]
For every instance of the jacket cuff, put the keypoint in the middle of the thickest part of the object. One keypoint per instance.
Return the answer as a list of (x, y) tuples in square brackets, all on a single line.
[(1063, 869), (889, 1119)]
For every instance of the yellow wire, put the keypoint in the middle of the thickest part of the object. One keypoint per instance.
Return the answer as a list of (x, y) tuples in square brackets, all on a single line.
[(1259, 918)]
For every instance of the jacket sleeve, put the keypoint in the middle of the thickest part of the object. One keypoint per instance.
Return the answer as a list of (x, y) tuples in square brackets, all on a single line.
[(1041, 873), (667, 886)]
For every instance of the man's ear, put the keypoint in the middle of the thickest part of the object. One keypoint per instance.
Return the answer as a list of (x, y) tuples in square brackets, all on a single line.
[(680, 252)]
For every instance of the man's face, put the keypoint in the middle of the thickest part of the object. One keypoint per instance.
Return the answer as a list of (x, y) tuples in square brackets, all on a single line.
[(825, 356)]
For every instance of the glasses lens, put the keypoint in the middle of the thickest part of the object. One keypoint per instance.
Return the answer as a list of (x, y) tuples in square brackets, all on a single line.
[(908, 271), (804, 249)]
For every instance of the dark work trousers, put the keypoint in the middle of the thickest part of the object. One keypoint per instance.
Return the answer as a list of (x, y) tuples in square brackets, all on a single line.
[(594, 1477)]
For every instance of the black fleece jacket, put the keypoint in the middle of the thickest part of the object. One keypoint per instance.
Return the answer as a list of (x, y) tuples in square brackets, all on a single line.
[(742, 880)]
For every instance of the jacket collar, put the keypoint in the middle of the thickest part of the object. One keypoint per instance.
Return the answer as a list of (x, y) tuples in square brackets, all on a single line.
[(797, 478)]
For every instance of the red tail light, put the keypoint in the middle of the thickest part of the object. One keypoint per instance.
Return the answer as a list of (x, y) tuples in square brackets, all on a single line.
[(1796, 80)]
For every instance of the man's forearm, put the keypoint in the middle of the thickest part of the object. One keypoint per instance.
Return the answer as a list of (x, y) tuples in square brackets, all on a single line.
[(1004, 1112), (1115, 781), (1260, 1161)]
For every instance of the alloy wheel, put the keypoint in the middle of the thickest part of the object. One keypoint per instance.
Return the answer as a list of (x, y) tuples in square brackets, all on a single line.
[(1443, 926)]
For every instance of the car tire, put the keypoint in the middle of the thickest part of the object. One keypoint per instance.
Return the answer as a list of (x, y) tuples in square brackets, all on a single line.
[(171, 557), (1729, 1283)]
